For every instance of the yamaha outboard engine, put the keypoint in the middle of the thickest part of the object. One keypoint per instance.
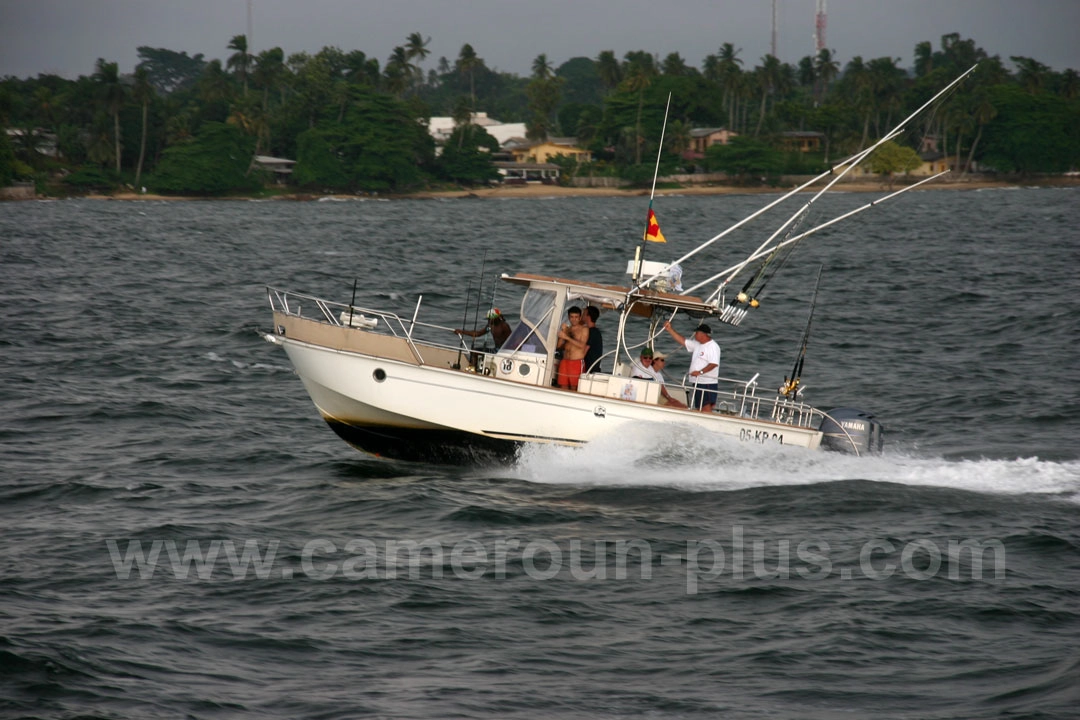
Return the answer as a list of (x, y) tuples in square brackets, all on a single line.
[(851, 430)]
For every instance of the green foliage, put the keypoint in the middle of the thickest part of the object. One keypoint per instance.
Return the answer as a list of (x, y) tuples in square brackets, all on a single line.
[(169, 71), (1032, 133), (7, 161), (582, 83), (462, 158), (744, 156), (891, 158), (216, 161), (377, 146), (336, 111), (92, 178), (320, 163), (796, 163)]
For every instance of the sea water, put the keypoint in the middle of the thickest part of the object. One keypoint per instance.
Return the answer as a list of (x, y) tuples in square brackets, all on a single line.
[(184, 537)]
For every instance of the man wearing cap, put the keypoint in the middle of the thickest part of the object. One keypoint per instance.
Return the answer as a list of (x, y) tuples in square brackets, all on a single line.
[(704, 365), (659, 362), (496, 323), (643, 367)]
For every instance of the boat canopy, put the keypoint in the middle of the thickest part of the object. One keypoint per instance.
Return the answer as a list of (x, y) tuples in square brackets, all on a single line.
[(642, 301)]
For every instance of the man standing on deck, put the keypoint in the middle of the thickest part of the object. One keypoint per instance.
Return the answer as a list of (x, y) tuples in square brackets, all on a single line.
[(596, 340), (574, 343), (704, 365)]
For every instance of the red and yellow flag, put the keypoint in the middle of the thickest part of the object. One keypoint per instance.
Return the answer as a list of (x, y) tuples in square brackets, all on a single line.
[(652, 231)]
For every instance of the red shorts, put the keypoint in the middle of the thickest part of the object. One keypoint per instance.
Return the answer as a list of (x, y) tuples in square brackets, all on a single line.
[(569, 372)]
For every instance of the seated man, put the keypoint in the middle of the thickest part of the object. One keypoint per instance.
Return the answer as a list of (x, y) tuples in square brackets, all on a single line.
[(643, 368), (659, 362)]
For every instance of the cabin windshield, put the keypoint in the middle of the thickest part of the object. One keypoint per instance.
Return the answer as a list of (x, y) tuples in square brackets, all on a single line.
[(537, 311)]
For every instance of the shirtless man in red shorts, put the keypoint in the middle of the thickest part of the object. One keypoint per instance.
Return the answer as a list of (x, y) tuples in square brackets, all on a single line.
[(574, 343)]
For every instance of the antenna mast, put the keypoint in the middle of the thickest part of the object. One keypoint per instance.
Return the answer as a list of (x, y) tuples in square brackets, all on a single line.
[(773, 46), (819, 27)]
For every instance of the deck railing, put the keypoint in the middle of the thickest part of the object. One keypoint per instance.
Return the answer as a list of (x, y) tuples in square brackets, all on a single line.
[(412, 330), (739, 397)]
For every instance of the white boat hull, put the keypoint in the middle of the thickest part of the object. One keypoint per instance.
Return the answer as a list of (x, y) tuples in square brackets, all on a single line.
[(412, 411)]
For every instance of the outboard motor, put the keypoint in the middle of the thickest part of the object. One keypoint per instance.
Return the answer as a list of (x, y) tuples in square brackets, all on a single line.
[(852, 430)]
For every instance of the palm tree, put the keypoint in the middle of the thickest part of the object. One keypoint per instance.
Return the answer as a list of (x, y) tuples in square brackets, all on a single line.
[(1032, 73), (982, 112), (826, 67), (143, 93), (416, 49), (462, 115), (674, 65), (730, 74), (769, 78), (639, 78), (467, 63), (860, 89), (924, 59), (1070, 84), (269, 72), (215, 88), (678, 137), (112, 94), (399, 71), (541, 68), (887, 81), (240, 60), (543, 94), (609, 70)]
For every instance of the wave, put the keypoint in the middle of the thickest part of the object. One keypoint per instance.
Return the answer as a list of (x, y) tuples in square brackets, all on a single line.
[(692, 459)]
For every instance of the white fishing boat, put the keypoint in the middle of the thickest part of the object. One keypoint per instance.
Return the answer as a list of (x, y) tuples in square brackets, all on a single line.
[(399, 387)]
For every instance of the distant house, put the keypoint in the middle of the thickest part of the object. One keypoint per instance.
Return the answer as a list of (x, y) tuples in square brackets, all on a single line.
[(519, 173), (39, 140), (543, 151), (701, 139), (932, 164), (441, 127), (280, 168), (801, 141)]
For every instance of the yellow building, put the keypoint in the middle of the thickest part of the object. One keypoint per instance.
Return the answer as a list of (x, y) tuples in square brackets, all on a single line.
[(542, 152)]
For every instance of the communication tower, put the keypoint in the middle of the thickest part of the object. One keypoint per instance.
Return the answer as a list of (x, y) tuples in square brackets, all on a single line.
[(819, 27)]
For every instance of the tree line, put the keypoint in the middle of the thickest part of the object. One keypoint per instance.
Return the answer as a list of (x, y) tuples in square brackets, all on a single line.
[(186, 124)]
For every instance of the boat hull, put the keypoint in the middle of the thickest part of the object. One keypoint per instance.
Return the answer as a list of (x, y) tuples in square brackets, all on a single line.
[(406, 410)]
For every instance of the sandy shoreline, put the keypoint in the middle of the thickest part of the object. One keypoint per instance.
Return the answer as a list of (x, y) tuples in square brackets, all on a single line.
[(544, 191)]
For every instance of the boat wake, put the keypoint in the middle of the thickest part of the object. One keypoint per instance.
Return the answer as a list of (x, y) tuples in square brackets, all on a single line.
[(689, 458)]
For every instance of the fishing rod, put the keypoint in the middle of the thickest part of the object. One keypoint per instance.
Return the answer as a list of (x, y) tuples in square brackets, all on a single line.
[(744, 295), (791, 387), (844, 166), (352, 302), (479, 297), (464, 319)]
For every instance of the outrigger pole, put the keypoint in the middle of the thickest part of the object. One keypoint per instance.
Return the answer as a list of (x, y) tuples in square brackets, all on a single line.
[(763, 252), (844, 167), (639, 255)]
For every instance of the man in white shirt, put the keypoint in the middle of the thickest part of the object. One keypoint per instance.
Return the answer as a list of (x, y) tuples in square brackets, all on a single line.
[(704, 365), (643, 367)]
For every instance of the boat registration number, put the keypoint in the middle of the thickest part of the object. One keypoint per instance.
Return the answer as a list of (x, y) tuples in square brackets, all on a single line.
[(760, 436)]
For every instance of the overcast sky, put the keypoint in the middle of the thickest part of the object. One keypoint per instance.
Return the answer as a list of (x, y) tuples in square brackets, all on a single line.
[(65, 37)]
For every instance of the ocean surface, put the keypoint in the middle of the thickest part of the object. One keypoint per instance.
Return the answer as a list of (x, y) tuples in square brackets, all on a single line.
[(183, 537)]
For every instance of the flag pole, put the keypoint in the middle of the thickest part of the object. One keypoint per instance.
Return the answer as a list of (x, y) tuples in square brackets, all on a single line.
[(639, 258)]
